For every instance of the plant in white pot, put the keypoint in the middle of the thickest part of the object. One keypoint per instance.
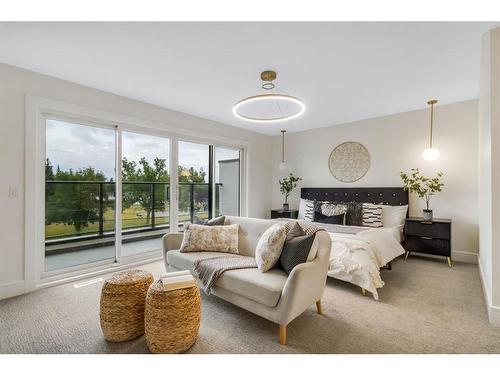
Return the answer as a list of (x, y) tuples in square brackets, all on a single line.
[(286, 187), (423, 186)]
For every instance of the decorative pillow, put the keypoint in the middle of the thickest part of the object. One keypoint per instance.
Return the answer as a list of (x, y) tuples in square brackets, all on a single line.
[(334, 219), (215, 221), (222, 238), (293, 229), (295, 251), (354, 214), (309, 210), (394, 216), (332, 208), (269, 247), (372, 215)]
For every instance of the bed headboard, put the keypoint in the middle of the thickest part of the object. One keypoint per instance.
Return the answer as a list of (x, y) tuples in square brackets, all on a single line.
[(393, 196)]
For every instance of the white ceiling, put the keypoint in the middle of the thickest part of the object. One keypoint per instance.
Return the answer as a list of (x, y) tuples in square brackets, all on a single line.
[(343, 71)]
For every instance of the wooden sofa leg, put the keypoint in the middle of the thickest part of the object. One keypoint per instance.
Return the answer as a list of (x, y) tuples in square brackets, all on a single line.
[(319, 308), (363, 291), (283, 334)]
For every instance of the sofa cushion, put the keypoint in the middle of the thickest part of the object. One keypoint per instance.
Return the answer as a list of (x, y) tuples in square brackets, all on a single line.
[(223, 238), (264, 288)]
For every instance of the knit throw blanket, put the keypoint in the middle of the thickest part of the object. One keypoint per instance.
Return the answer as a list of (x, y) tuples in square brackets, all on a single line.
[(210, 270)]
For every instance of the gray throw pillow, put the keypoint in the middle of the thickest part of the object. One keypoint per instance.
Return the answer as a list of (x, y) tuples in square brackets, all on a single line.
[(295, 252), (215, 221)]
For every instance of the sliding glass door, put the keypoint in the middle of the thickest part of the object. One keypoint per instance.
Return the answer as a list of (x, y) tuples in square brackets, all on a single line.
[(79, 194), (145, 215), (109, 193), (194, 183)]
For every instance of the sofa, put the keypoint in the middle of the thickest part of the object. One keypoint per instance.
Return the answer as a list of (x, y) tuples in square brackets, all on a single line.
[(273, 295)]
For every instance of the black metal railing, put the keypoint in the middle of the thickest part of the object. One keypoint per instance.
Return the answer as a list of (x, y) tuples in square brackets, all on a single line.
[(77, 210)]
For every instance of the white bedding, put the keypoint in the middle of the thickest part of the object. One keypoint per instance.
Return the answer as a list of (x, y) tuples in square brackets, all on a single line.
[(357, 258)]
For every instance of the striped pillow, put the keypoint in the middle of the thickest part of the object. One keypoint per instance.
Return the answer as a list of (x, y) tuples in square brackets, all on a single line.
[(309, 211), (372, 215)]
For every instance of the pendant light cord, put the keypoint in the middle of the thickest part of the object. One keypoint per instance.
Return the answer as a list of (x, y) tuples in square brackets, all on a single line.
[(283, 146), (432, 118)]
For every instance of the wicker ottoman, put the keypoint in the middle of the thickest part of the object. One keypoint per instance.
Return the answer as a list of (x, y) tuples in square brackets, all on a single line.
[(122, 305), (172, 318)]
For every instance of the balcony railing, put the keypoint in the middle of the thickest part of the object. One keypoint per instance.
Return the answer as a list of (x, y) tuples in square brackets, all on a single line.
[(81, 210)]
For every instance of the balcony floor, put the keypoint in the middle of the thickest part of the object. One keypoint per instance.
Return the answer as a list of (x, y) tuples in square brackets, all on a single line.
[(57, 261)]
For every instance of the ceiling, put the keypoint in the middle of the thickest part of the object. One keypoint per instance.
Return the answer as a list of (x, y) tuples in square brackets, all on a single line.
[(342, 71)]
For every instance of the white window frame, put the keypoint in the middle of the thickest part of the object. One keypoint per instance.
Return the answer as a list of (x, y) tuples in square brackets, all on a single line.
[(36, 110)]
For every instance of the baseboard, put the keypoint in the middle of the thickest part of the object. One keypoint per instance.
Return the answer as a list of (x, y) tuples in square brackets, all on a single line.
[(464, 256), (493, 311), (12, 289)]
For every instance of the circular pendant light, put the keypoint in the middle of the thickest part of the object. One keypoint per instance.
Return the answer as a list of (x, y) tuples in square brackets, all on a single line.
[(272, 107)]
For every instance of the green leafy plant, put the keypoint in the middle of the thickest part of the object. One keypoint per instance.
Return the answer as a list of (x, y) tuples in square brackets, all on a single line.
[(288, 184), (423, 186)]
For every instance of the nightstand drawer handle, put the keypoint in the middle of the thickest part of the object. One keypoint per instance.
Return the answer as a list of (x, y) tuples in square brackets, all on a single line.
[(426, 238)]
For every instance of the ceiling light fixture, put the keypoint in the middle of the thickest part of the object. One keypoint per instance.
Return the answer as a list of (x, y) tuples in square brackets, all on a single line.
[(274, 107), (431, 153)]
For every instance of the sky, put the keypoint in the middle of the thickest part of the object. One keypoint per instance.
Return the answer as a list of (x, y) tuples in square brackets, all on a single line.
[(77, 146)]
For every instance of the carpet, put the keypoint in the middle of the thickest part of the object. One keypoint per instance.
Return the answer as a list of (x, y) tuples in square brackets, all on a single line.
[(425, 307)]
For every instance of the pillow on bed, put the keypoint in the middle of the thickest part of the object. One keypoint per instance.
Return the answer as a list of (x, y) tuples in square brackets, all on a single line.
[(372, 215), (331, 208), (334, 219), (394, 216), (306, 210), (354, 214)]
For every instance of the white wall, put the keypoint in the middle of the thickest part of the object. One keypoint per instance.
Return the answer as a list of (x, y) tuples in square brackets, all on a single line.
[(395, 144), (489, 172), (15, 83)]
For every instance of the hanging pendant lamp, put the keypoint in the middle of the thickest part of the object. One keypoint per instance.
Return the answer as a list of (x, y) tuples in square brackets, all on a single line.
[(431, 153), (268, 107)]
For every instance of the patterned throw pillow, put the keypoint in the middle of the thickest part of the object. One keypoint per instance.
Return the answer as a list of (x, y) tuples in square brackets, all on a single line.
[(332, 208), (309, 210), (333, 219), (222, 238), (295, 251), (269, 247), (372, 215)]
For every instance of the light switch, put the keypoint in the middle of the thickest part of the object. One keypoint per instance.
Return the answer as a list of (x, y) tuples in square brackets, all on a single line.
[(13, 192)]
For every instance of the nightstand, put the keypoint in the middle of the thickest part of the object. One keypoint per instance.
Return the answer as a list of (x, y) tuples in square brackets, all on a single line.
[(290, 214), (428, 237)]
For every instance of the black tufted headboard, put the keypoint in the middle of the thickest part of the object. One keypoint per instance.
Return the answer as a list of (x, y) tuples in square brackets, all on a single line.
[(394, 196)]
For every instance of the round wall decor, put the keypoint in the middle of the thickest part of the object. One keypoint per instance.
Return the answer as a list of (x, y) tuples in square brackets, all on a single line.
[(349, 161)]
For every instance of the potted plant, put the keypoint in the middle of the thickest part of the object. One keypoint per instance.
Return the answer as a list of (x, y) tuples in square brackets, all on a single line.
[(286, 187), (423, 186)]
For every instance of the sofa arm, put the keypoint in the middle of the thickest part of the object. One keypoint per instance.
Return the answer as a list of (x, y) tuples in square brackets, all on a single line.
[(172, 241), (306, 283)]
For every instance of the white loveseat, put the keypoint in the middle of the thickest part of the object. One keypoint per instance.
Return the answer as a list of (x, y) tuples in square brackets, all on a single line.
[(273, 295)]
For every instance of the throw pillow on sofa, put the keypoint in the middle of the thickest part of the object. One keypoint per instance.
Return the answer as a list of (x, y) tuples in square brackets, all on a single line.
[(268, 250), (215, 221), (295, 251), (221, 238)]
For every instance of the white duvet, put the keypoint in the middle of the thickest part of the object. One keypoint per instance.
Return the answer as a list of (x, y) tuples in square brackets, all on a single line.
[(357, 258)]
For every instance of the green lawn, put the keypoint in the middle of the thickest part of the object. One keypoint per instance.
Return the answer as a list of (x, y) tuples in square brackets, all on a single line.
[(130, 219)]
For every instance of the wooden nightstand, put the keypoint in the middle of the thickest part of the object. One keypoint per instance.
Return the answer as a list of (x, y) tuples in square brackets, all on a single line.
[(428, 237), (290, 214)]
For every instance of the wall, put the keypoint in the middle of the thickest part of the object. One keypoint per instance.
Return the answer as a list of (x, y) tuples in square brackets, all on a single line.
[(395, 144), (489, 172), (16, 83)]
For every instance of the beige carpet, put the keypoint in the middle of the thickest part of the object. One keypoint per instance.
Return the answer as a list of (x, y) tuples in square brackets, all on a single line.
[(425, 307)]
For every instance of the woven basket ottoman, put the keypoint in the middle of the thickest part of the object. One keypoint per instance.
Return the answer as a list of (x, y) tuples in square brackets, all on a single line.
[(172, 318), (122, 305)]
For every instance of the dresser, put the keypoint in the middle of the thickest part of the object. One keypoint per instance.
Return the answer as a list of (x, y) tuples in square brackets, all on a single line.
[(290, 214), (428, 237)]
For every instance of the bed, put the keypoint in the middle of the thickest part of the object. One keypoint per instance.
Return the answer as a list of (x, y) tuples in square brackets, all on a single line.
[(358, 253)]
